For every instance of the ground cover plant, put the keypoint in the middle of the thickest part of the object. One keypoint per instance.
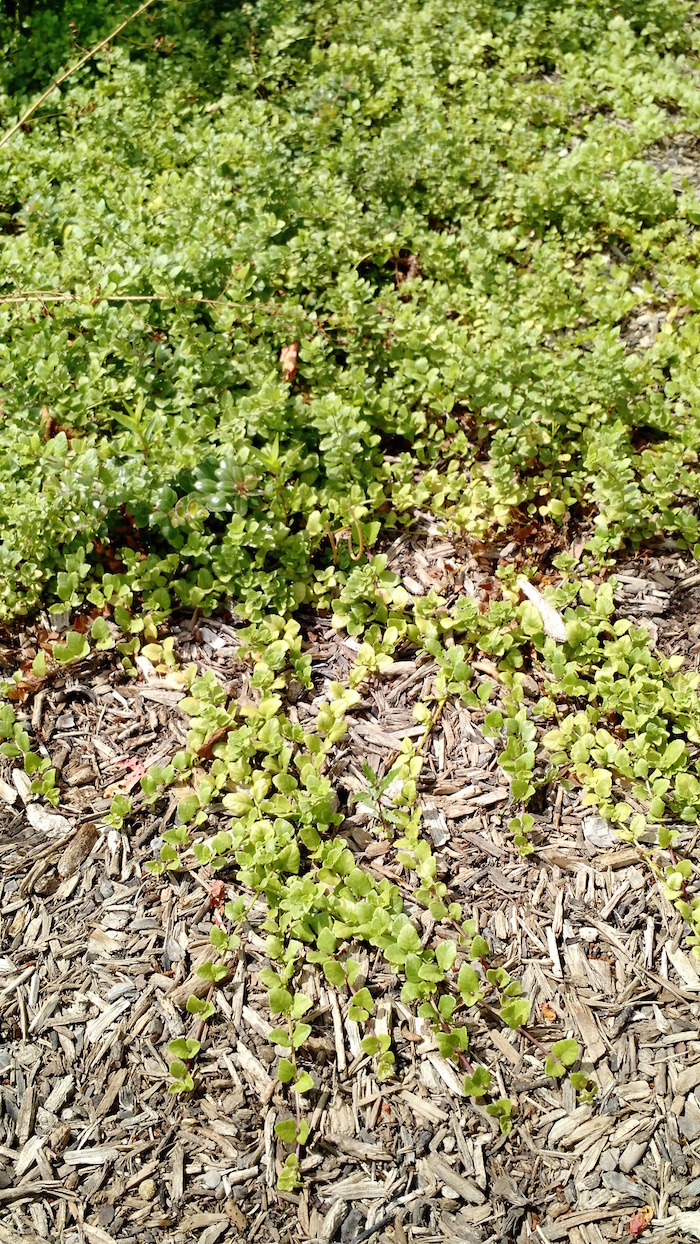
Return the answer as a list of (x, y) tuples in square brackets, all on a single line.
[(274, 281), (448, 207)]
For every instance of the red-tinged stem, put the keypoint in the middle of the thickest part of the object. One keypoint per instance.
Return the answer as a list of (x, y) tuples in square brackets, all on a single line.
[(523, 1032)]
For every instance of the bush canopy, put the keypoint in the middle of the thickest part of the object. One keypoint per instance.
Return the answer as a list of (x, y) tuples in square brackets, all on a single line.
[(454, 207)]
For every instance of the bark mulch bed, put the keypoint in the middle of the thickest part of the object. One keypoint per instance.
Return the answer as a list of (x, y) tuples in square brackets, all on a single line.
[(97, 959)]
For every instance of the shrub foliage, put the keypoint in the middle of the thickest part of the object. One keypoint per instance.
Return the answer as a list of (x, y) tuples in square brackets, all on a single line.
[(448, 204)]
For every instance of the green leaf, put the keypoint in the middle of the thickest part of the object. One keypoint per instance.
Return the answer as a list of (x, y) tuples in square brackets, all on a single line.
[(672, 754), (184, 1048), (566, 1051), (280, 1001), (212, 971), (301, 1033), (578, 1079), (280, 1036), (269, 978), (553, 1067), (467, 980), (501, 1110), (74, 648), (187, 808), (100, 632), (185, 1084), (289, 1179), (326, 942), (300, 1005), (352, 968), (477, 1084), (493, 723), (515, 1013), (446, 1006), (304, 1083), (285, 1071), (334, 973), (479, 948), (364, 999), (286, 1131), (360, 883), (446, 954), (408, 939), (39, 666)]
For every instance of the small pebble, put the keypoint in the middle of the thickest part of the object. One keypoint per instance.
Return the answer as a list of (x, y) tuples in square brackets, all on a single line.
[(148, 1190), (608, 1160), (211, 1179), (632, 1155), (105, 1215)]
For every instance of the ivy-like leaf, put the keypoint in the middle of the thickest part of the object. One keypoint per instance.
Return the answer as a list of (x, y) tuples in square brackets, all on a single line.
[(286, 1131), (515, 1013), (566, 1051), (304, 1083)]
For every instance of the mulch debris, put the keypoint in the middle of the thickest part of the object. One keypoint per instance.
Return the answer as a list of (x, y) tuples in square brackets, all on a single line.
[(97, 959)]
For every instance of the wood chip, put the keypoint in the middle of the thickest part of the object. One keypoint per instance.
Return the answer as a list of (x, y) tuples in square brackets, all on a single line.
[(582, 1016), (78, 849), (551, 620), (25, 1117), (29, 1154), (684, 968), (422, 1108), (93, 1155), (364, 1150), (443, 1173), (253, 1070)]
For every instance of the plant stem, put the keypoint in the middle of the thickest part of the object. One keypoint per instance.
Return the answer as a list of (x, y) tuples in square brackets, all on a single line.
[(67, 73), (201, 1021), (523, 1032), (446, 1028)]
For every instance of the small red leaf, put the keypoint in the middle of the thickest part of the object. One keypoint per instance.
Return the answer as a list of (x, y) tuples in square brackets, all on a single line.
[(639, 1221), (217, 893)]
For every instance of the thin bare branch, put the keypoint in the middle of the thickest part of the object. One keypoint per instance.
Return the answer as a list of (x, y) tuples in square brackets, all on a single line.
[(67, 73)]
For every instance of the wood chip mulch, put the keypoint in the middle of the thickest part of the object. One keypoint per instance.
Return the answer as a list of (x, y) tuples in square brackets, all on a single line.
[(97, 959)]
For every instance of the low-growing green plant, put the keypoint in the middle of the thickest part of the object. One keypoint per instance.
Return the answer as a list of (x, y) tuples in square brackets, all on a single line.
[(153, 445), (339, 285)]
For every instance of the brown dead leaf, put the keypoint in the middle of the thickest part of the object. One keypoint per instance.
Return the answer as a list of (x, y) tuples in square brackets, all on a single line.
[(288, 360), (206, 751)]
